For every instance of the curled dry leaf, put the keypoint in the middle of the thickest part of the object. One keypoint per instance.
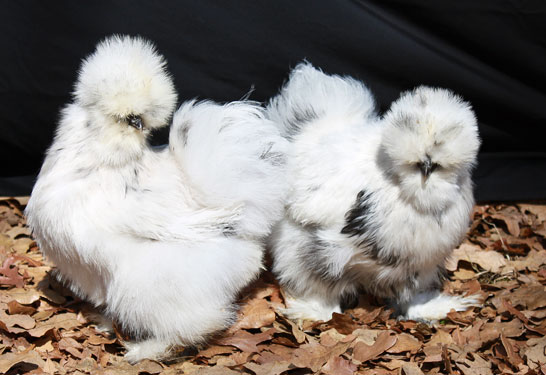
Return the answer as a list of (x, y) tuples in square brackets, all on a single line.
[(535, 352), (9, 360), (256, 313), (411, 368), (22, 296), (488, 260), (270, 368), (405, 343), (385, 340), (17, 320), (339, 366), (246, 341), (64, 321), (311, 355), (15, 307), (9, 274)]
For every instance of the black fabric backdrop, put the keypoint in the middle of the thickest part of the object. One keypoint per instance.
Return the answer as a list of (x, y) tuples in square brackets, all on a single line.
[(492, 52)]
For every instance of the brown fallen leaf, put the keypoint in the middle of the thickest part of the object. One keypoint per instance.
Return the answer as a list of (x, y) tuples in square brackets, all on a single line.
[(488, 260), (440, 337), (384, 341), (15, 307), (405, 343), (311, 355), (529, 296), (332, 337), (22, 296), (256, 313), (511, 353), (367, 336), (9, 274), (98, 340), (492, 331), (535, 352), (64, 321), (511, 218), (411, 368), (150, 367), (477, 366), (20, 320), (339, 366), (9, 360), (343, 323), (246, 341), (536, 209), (515, 312), (270, 368), (298, 334), (433, 353), (532, 262)]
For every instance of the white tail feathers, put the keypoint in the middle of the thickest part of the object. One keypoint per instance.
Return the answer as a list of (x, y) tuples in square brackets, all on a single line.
[(311, 94), (234, 156)]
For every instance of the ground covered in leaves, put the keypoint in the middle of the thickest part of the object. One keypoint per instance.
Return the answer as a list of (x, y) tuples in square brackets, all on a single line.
[(44, 329)]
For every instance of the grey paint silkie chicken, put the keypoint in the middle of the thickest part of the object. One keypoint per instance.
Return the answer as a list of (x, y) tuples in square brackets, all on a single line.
[(375, 204)]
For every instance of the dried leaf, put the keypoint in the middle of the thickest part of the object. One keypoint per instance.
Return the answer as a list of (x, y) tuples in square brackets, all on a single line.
[(343, 323), (213, 350), (433, 353), (298, 334), (536, 209), (411, 368), (149, 367), (440, 337), (478, 366), (532, 262), (511, 218), (339, 366), (20, 320), (270, 368), (15, 307), (9, 360), (256, 313), (512, 355), (247, 341), (488, 260), (406, 343), (492, 331), (529, 296), (311, 355), (24, 297), (10, 274), (64, 321), (535, 353), (384, 341)]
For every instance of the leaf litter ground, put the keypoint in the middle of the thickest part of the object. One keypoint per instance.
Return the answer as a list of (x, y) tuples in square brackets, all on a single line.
[(45, 329)]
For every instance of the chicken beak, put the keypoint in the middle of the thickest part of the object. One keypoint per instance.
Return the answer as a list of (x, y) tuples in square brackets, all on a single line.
[(426, 168), (135, 122)]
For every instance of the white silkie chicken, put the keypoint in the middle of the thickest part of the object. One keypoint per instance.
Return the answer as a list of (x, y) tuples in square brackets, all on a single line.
[(374, 204), (162, 240)]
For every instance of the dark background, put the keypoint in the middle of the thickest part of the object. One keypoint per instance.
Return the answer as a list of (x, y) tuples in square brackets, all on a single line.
[(491, 52)]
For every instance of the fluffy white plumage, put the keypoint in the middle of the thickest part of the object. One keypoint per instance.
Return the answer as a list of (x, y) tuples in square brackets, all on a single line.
[(161, 239), (374, 204)]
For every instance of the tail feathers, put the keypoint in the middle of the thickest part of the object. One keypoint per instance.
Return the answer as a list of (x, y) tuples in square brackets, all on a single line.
[(234, 156), (311, 94)]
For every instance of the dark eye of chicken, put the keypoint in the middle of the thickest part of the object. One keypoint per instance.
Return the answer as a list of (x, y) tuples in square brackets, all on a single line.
[(135, 121)]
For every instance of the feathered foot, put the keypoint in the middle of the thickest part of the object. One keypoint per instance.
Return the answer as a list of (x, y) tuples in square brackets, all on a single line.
[(431, 307)]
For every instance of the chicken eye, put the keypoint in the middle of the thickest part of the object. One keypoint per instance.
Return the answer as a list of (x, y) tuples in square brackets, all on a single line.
[(135, 121)]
